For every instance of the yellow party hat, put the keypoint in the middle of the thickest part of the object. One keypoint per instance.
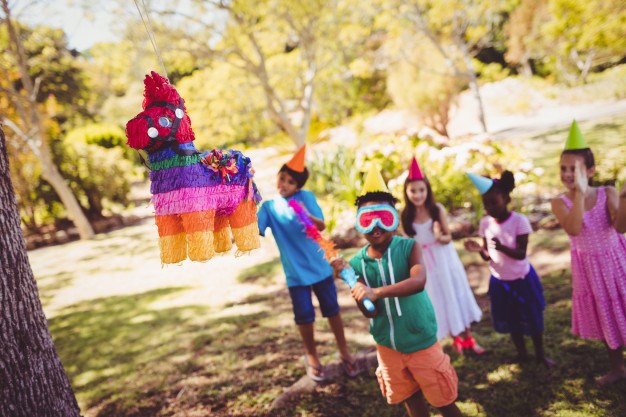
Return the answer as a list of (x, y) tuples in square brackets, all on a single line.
[(374, 181), (575, 139)]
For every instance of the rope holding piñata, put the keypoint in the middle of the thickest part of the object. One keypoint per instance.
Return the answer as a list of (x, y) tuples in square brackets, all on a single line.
[(330, 252)]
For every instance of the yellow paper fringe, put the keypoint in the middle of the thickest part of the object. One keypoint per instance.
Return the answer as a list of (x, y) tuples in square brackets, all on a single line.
[(200, 246), (223, 240), (173, 248), (247, 237)]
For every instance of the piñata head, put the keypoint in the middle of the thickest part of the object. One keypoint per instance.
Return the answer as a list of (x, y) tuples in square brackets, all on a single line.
[(164, 120)]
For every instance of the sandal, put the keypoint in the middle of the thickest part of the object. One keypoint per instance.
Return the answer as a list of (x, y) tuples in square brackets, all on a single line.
[(350, 367), (315, 373)]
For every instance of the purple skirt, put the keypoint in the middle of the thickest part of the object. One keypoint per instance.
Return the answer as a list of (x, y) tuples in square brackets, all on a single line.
[(517, 306)]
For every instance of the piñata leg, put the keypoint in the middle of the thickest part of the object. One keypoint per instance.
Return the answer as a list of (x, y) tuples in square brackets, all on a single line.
[(223, 238), (199, 227), (172, 240), (243, 223)]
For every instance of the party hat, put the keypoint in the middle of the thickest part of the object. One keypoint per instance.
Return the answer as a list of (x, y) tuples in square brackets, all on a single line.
[(374, 181), (415, 172), (296, 163), (483, 184), (575, 139)]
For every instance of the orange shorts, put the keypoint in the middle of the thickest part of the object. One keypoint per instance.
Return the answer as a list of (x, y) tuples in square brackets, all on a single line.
[(400, 375)]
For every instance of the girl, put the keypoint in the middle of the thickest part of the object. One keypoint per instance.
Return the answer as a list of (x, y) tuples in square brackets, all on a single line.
[(515, 292), (425, 220), (598, 255)]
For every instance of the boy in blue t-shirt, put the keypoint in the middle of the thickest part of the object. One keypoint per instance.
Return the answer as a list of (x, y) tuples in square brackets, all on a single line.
[(304, 264)]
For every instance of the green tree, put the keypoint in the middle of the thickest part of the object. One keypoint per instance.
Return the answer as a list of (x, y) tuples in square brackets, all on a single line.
[(282, 52), (32, 124), (581, 36), (457, 29), (524, 34)]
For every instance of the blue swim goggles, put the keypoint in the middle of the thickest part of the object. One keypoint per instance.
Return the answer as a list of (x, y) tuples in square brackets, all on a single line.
[(381, 215)]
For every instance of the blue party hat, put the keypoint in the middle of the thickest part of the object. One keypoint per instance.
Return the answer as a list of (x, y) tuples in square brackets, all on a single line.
[(483, 184)]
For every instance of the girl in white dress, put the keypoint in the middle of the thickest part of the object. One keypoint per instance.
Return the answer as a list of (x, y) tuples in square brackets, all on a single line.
[(425, 220)]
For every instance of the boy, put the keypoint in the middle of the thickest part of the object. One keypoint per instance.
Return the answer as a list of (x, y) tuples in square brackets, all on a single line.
[(304, 264), (411, 363)]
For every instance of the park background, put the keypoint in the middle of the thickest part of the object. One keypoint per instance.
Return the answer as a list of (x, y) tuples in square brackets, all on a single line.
[(477, 86)]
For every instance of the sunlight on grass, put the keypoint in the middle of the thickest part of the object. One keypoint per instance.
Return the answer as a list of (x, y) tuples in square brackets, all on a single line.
[(505, 373)]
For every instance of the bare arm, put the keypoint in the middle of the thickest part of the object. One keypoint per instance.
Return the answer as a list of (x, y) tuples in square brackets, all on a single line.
[(319, 223), (442, 234), (519, 252), (620, 220), (413, 284), (612, 202), (571, 220), (473, 246)]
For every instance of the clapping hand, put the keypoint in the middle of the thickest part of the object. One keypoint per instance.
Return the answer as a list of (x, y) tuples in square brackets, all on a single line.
[(498, 245), (472, 246)]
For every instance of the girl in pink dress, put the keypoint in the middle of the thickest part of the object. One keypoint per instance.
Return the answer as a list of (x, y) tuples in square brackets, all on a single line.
[(598, 254)]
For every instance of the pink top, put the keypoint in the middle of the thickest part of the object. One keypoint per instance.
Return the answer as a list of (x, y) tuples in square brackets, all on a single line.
[(503, 266)]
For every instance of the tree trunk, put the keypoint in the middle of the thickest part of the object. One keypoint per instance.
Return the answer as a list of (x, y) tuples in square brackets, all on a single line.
[(473, 82), (50, 173), (32, 379)]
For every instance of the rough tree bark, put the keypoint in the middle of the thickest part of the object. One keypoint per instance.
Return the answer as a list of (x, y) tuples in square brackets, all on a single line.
[(33, 382)]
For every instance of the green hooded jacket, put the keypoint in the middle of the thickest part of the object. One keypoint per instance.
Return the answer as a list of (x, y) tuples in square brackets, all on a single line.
[(405, 324)]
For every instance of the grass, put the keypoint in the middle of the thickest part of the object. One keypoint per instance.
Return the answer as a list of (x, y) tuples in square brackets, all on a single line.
[(130, 356), (138, 354)]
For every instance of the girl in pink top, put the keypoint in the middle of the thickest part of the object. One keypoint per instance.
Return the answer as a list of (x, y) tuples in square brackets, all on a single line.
[(515, 291), (588, 215)]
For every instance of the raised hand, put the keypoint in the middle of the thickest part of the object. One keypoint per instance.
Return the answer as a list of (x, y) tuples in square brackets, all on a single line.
[(580, 177)]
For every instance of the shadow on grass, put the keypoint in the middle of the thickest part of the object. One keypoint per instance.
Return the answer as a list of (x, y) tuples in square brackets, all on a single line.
[(261, 274), (128, 357), (491, 386)]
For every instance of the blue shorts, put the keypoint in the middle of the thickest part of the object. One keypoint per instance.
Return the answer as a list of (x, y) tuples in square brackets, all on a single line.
[(302, 300)]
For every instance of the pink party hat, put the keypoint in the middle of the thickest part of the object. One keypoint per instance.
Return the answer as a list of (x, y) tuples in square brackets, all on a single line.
[(415, 172)]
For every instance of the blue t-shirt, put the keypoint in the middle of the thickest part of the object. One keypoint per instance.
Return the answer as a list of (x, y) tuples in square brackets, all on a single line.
[(302, 258)]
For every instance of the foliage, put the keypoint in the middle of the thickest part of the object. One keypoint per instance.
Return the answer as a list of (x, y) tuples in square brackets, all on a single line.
[(420, 87), (100, 176), (223, 108), (582, 36)]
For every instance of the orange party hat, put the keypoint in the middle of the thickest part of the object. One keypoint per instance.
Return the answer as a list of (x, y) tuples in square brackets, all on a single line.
[(296, 163)]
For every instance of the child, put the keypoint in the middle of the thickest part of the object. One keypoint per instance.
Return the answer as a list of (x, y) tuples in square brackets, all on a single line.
[(304, 264), (412, 364), (515, 291), (598, 254), (448, 289)]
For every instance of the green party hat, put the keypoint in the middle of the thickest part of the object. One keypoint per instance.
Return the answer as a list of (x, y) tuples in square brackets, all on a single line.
[(575, 139)]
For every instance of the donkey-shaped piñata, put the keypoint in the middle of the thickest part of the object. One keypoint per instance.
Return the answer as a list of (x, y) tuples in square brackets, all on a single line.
[(198, 197)]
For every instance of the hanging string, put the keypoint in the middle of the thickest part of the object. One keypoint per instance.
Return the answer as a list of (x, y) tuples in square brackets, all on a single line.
[(148, 25)]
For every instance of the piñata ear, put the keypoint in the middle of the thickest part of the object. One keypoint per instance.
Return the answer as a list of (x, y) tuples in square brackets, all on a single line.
[(137, 133)]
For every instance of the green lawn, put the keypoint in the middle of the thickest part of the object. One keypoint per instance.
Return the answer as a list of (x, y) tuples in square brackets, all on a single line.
[(128, 357)]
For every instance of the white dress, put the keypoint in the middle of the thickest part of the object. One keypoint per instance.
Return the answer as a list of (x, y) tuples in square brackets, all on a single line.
[(446, 283)]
